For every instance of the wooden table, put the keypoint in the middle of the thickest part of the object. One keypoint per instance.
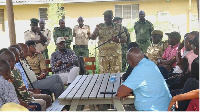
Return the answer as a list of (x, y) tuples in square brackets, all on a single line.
[(85, 90)]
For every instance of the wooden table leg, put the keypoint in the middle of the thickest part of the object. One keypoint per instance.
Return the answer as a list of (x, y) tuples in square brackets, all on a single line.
[(74, 105), (118, 105)]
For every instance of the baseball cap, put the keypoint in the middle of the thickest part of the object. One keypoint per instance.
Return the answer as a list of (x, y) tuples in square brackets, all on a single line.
[(157, 32), (60, 39), (174, 35)]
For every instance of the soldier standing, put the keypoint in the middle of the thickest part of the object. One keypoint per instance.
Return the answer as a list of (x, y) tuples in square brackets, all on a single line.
[(36, 35), (63, 31), (81, 33), (110, 53), (47, 33), (143, 29), (123, 45)]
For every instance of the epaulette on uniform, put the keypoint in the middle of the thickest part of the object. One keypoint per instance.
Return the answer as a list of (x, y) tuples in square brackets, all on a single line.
[(26, 31)]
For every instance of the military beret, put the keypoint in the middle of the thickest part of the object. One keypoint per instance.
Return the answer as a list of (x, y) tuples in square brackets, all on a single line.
[(157, 32), (117, 18), (175, 35), (34, 20), (108, 12)]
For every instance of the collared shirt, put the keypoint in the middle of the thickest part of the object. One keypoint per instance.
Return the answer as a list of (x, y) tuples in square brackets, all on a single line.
[(170, 52), (19, 67), (81, 34), (155, 51), (46, 33), (67, 57), (19, 85), (149, 87), (106, 32), (7, 92), (65, 32), (36, 62), (30, 35), (143, 30)]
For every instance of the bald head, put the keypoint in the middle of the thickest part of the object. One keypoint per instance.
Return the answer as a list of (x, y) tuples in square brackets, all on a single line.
[(134, 56), (8, 56), (5, 69), (16, 52)]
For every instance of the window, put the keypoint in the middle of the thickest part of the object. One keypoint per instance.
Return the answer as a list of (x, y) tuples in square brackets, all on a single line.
[(163, 16), (43, 13), (2, 28), (127, 11)]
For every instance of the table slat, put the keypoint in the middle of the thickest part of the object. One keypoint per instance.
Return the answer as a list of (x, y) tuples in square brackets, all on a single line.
[(116, 83), (96, 87), (103, 86), (71, 86), (90, 87), (109, 88), (83, 87), (76, 88)]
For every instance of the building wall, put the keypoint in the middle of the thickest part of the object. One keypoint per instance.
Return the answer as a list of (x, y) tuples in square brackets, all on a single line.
[(92, 13)]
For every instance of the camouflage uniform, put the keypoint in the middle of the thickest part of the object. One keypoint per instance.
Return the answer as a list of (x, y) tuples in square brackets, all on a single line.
[(143, 34), (47, 33), (81, 40), (155, 51), (124, 50), (20, 87), (66, 32), (110, 56)]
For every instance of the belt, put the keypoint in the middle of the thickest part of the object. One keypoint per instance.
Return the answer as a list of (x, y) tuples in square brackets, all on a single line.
[(80, 46)]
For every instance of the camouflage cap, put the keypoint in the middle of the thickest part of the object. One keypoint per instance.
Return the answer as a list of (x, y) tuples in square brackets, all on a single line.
[(34, 20), (174, 35), (157, 32), (108, 12)]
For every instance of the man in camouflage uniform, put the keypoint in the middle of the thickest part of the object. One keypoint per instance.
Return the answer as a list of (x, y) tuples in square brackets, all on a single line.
[(156, 50), (123, 45), (143, 29), (46, 33), (36, 35), (63, 31), (81, 33), (110, 59)]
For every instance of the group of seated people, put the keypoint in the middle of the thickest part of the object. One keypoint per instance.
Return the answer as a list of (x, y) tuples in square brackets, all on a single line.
[(177, 63), (24, 79), (167, 73)]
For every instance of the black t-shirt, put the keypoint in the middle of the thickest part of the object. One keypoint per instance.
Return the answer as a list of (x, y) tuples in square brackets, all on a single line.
[(195, 69)]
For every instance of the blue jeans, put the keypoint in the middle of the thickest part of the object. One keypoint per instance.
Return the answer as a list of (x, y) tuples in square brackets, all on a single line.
[(38, 108)]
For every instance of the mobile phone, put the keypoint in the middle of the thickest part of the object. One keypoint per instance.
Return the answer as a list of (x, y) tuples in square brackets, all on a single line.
[(107, 92), (173, 108)]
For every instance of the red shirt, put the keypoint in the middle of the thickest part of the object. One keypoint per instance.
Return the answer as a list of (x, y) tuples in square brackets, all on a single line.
[(170, 52)]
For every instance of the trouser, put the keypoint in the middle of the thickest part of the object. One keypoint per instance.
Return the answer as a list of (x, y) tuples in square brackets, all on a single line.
[(69, 77), (190, 84), (164, 71), (81, 50), (45, 97), (38, 108), (45, 54), (52, 83), (143, 45), (110, 64), (124, 60), (41, 102)]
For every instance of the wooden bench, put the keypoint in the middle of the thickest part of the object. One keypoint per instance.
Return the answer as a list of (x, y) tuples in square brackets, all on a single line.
[(90, 67), (55, 106)]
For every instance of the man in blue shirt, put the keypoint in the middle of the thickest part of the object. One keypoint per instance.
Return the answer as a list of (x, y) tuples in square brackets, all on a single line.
[(147, 83)]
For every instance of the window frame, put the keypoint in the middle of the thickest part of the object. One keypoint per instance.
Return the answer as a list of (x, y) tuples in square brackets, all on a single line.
[(46, 13)]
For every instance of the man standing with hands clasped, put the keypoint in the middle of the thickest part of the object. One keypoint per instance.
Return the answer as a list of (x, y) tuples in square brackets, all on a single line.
[(110, 56)]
